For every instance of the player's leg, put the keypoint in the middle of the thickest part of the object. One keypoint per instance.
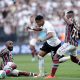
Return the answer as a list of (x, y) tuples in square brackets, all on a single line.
[(9, 67), (55, 62), (63, 58), (73, 55), (75, 59), (43, 51), (66, 47), (41, 62), (32, 44), (33, 52), (73, 52), (16, 72), (56, 58)]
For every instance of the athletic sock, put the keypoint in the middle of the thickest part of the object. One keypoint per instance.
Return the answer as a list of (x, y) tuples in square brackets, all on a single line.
[(41, 66), (55, 65)]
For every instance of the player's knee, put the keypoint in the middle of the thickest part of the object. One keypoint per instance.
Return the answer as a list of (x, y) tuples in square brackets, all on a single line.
[(15, 72), (40, 57), (13, 66), (56, 58)]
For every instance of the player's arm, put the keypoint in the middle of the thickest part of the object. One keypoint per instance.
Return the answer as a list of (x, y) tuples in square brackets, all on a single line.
[(68, 21), (49, 35), (11, 58), (35, 29), (62, 15), (5, 51)]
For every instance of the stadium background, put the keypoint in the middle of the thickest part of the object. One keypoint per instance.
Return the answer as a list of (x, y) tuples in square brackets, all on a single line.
[(15, 14)]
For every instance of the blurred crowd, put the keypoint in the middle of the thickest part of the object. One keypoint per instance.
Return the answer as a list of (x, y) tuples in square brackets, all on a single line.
[(15, 16)]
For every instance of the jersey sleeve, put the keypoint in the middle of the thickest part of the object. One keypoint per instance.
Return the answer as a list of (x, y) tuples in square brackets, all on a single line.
[(3, 52), (50, 28)]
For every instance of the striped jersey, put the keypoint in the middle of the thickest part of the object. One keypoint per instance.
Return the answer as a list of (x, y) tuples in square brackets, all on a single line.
[(6, 56), (71, 34)]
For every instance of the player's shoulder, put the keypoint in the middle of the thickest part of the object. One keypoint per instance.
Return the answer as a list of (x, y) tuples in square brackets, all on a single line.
[(47, 24), (5, 50)]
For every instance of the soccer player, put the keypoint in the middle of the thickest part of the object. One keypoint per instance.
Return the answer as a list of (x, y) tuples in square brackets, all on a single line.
[(8, 65), (71, 40), (51, 41), (33, 35)]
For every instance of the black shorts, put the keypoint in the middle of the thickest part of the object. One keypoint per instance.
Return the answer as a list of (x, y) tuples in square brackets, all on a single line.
[(47, 48)]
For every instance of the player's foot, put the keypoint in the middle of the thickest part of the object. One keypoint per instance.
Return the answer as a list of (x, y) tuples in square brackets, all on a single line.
[(39, 75), (50, 77)]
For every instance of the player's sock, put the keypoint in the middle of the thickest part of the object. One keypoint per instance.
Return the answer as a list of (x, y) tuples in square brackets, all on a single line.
[(54, 69), (33, 54), (33, 74), (41, 65), (55, 65), (23, 74), (79, 62), (26, 74), (63, 59), (75, 59)]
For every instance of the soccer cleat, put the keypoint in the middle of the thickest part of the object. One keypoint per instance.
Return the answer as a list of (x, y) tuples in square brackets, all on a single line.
[(39, 75), (50, 77)]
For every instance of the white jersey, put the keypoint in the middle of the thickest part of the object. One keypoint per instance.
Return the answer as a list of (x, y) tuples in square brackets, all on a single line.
[(54, 41)]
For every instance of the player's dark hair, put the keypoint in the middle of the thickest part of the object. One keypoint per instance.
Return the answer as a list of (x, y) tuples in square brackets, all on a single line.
[(70, 12), (39, 17)]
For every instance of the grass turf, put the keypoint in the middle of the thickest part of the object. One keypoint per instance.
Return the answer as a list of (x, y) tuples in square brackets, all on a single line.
[(66, 71)]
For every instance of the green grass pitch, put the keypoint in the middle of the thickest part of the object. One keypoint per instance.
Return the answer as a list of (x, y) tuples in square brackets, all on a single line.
[(66, 71)]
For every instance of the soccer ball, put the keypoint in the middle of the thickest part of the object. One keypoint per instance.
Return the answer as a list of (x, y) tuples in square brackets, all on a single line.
[(2, 74)]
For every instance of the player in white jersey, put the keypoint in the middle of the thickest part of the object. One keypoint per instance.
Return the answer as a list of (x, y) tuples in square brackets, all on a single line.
[(32, 38), (51, 41)]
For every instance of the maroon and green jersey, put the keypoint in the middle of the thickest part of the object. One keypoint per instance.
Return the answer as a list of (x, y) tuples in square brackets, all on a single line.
[(6, 56), (71, 34)]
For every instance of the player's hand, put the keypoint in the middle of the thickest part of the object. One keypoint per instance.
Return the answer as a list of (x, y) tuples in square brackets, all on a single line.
[(61, 13), (39, 40), (26, 28)]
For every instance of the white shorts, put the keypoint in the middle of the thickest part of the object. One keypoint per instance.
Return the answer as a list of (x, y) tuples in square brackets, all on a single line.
[(8, 67), (33, 42), (67, 48), (15, 72)]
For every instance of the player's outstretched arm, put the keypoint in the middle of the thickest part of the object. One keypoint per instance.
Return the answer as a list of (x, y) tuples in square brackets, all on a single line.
[(62, 15), (33, 29), (37, 29)]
